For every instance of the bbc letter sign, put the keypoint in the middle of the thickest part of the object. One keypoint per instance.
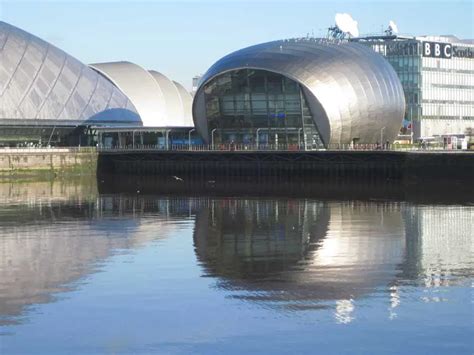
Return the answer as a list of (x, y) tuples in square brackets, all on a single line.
[(437, 50)]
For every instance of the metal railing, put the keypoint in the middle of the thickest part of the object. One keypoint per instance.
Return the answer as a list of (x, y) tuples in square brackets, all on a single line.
[(278, 147), (235, 147), (37, 150)]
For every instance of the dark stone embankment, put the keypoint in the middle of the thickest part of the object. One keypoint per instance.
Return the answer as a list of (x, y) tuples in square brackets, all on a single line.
[(392, 165), (353, 165)]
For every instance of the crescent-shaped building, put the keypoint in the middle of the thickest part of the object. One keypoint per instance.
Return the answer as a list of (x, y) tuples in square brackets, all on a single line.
[(316, 92), (40, 84)]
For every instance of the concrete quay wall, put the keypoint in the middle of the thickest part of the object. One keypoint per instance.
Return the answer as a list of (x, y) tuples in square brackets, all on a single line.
[(347, 164), (48, 162)]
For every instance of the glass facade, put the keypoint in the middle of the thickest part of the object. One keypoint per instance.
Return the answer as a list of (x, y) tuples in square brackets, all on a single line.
[(405, 58), (259, 107), (408, 65), (438, 85)]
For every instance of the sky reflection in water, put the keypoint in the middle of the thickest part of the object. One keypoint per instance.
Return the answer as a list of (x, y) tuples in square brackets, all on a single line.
[(87, 273)]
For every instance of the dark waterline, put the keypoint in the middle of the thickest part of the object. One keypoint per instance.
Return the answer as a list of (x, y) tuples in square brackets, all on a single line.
[(145, 265)]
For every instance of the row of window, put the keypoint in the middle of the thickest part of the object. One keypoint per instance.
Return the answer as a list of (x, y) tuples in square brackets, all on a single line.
[(430, 109), (448, 118), (447, 102), (243, 102), (457, 64), (235, 103), (444, 70), (405, 63), (414, 111), (251, 81), (452, 86), (412, 97)]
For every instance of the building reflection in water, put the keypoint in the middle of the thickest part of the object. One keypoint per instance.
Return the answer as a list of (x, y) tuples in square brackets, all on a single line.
[(303, 254), (296, 254), (53, 235), (441, 240), (280, 253)]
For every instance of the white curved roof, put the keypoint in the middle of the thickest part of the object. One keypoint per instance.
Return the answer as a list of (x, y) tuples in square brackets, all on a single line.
[(158, 100), (174, 106), (139, 86), (187, 101)]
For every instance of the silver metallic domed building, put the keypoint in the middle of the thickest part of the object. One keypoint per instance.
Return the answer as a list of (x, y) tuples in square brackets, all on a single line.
[(314, 92), (41, 84)]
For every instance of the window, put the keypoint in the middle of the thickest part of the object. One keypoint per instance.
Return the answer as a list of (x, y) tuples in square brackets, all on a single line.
[(243, 102)]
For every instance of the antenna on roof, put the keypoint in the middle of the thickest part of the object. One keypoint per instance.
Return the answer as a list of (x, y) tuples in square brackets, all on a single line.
[(345, 26), (392, 28)]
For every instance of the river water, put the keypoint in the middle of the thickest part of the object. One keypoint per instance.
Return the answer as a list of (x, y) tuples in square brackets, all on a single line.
[(146, 267)]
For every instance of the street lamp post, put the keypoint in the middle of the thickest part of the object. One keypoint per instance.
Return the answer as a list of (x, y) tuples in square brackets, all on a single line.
[(212, 138), (167, 139), (51, 136), (299, 138), (189, 135), (257, 141), (381, 136)]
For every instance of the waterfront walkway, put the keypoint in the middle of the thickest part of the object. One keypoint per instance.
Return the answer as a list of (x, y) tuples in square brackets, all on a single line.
[(241, 148), (281, 148)]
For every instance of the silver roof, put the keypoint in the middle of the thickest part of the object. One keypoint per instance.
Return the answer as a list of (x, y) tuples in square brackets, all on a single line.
[(352, 91), (187, 101), (40, 82), (157, 99)]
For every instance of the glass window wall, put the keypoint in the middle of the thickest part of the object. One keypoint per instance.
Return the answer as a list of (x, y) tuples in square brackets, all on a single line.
[(258, 107)]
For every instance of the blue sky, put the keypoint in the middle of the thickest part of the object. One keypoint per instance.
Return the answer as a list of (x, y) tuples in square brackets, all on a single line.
[(183, 38)]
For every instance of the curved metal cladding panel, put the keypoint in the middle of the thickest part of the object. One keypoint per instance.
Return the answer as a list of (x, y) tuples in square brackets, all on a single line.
[(140, 87), (352, 91), (187, 102), (41, 82), (177, 113)]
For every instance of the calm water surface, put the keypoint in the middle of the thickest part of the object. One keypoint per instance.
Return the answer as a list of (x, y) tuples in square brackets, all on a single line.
[(89, 273)]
